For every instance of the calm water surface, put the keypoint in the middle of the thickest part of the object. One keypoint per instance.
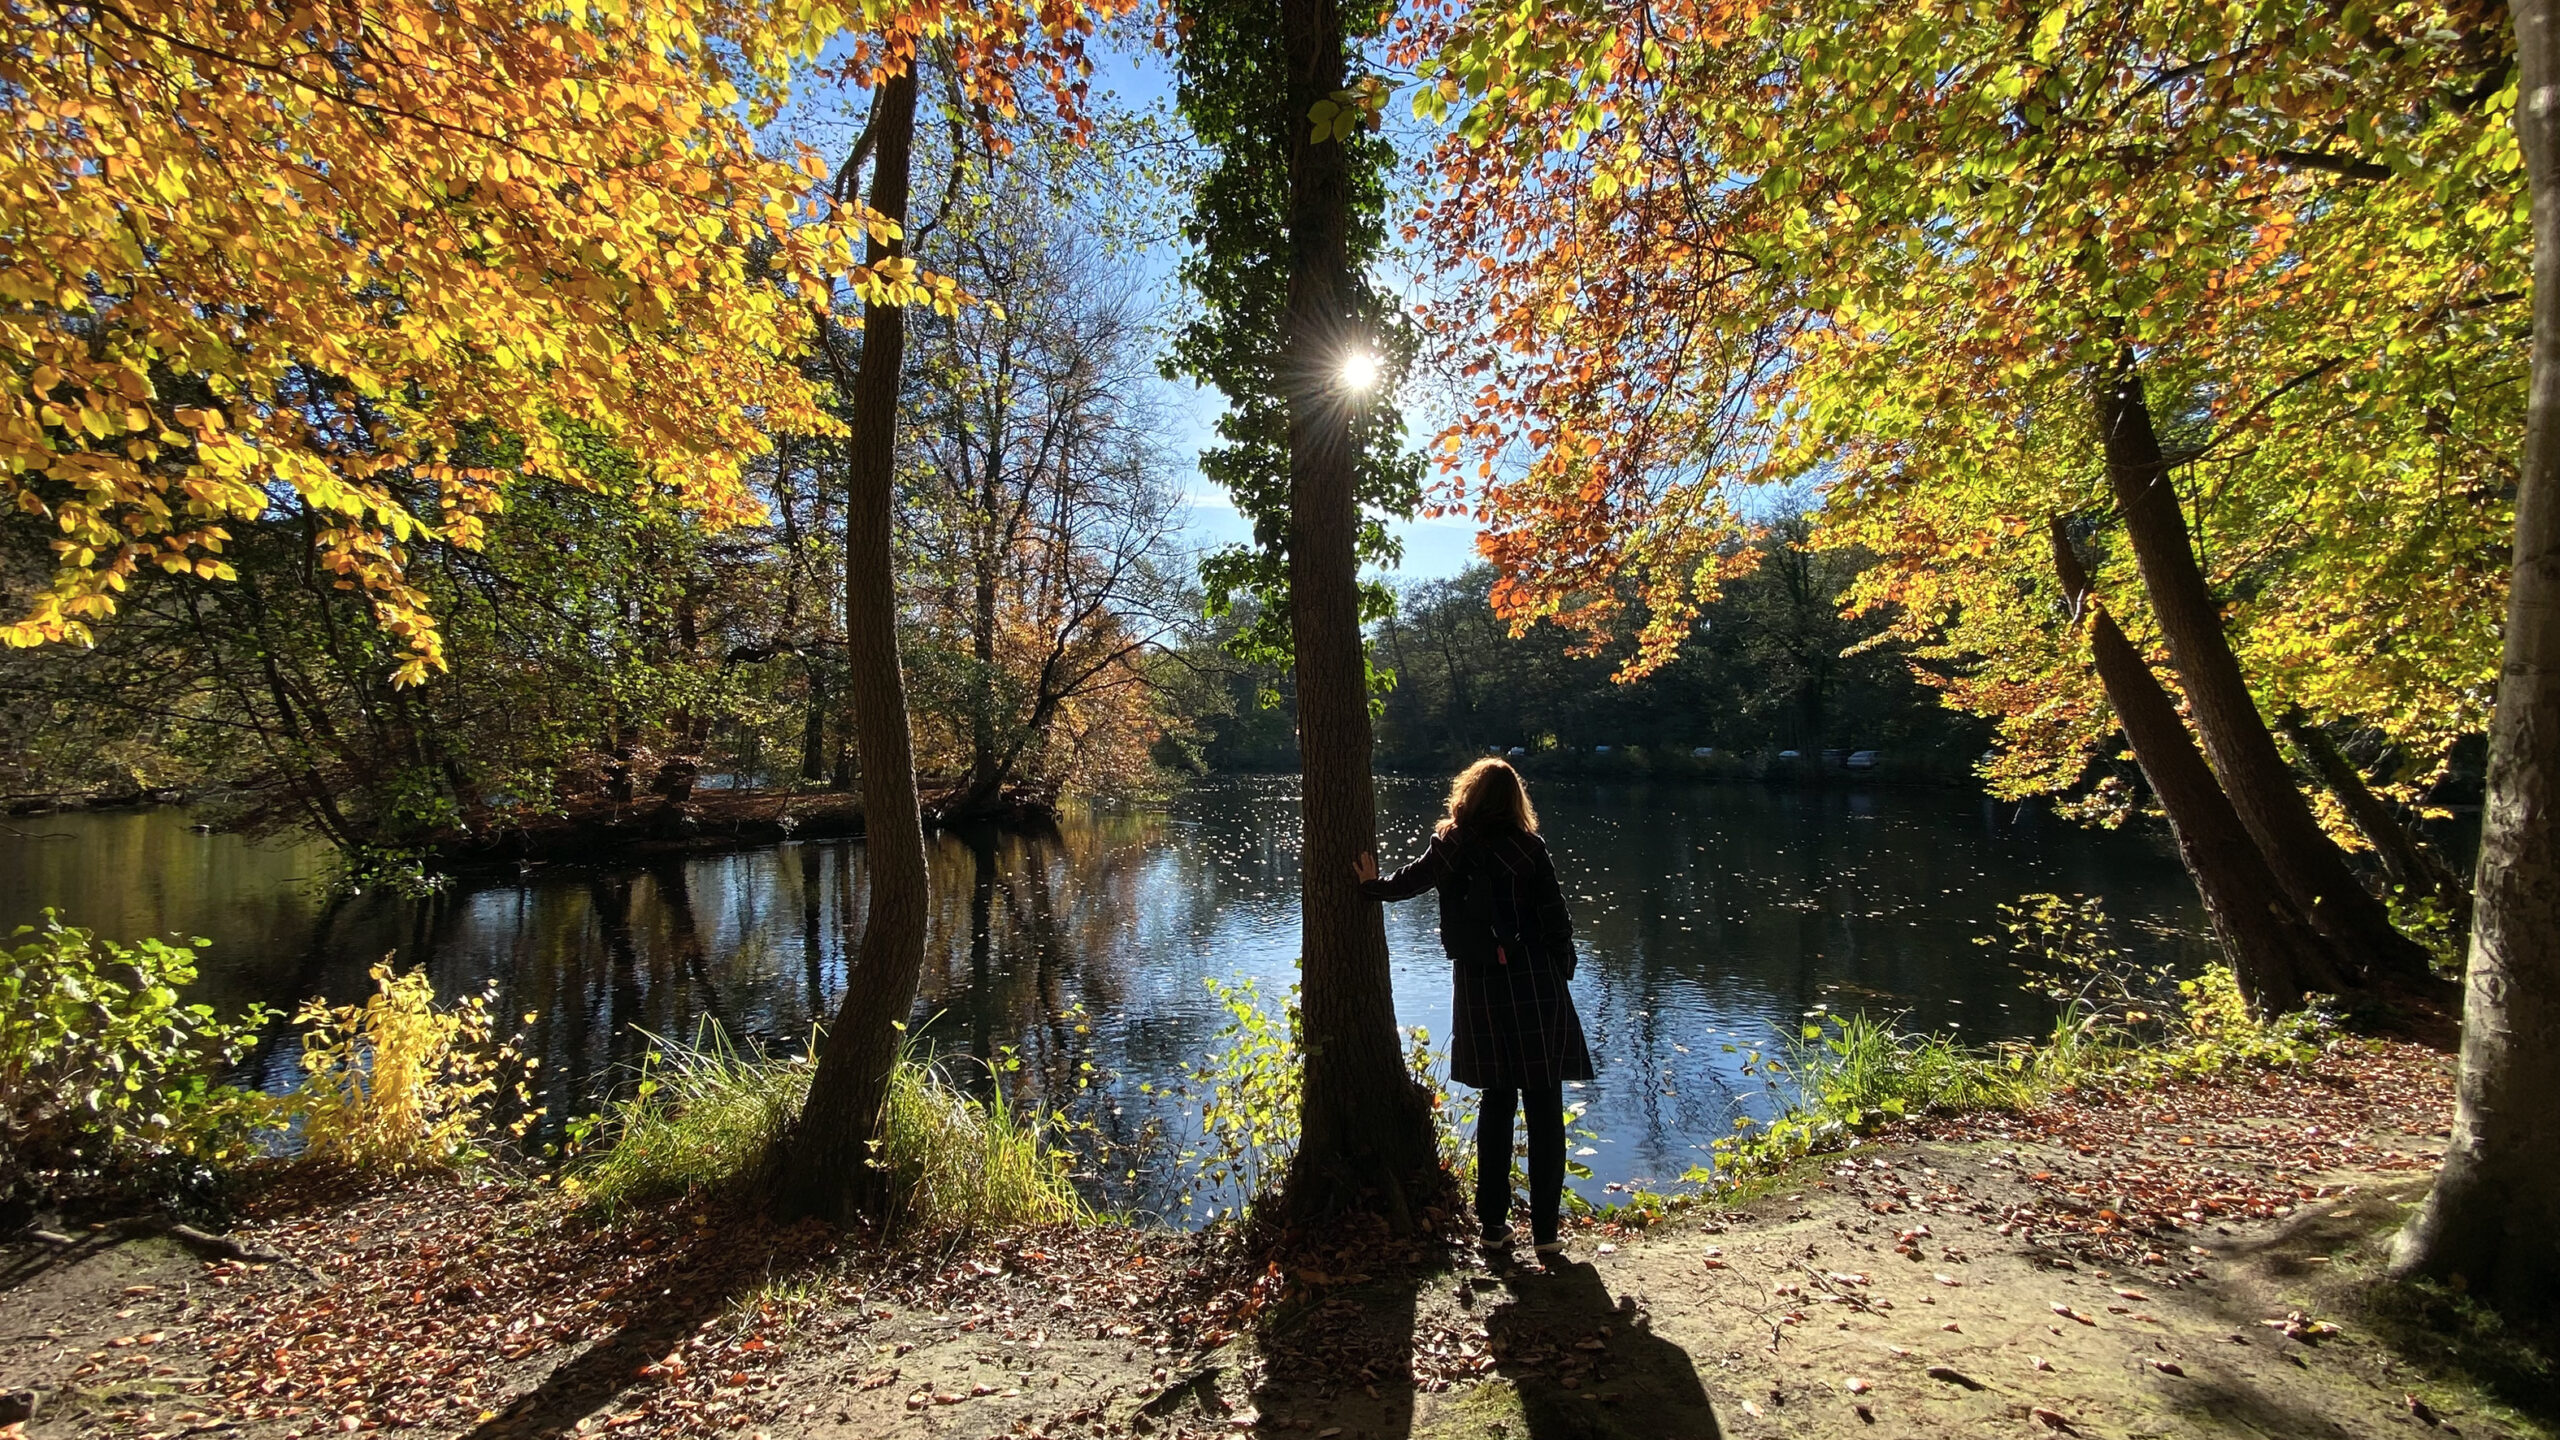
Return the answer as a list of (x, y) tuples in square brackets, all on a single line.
[(1709, 915)]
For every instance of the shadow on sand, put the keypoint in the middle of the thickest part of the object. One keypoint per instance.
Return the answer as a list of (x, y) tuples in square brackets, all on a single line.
[(1583, 1365), (1570, 1362)]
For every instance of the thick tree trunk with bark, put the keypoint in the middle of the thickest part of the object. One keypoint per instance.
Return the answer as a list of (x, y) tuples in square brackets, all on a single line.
[(2310, 866), (1365, 1129), (2273, 954), (829, 1171), (2494, 1215)]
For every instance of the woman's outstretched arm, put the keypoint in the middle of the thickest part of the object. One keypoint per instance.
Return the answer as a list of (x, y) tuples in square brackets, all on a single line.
[(1423, 874)]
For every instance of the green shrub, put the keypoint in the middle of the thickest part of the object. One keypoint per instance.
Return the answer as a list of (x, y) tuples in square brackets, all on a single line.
[(1453, 1114), (1242, 1098), (102, 1069), (2062, 945), (1246, 1091), (2221, 1029)]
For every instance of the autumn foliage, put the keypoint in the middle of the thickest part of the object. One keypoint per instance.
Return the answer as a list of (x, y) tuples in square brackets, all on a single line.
[(385, 255), (1690, 251)]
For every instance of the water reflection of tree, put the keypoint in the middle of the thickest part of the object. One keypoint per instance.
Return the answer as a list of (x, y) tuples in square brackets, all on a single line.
[(674, 880), (1026, 929), (275, 1061), (617, 1011), (813, 927)]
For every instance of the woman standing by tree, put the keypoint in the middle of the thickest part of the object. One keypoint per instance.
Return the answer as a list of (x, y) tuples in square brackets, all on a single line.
[(1516, 1035)]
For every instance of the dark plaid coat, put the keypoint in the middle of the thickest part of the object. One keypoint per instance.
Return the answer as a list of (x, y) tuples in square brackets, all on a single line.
[(1512, 948)]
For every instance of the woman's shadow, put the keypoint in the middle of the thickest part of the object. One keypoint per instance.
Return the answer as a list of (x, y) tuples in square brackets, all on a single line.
[(1629, 1384)]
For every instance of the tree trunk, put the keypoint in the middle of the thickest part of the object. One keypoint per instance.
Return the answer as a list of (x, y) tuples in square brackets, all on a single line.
[(829, 1171), (982, 634), (2273, 954), (2310, 866), (687, 733), (813, 726), (1365, 1130), (988, 763), (982, 699), (2494, 1215), (2409, 862)]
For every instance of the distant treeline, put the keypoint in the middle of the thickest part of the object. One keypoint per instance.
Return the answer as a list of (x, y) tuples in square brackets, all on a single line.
[(1772, 666)]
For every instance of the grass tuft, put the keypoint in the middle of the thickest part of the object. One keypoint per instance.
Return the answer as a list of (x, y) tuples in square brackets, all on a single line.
[(705, 1118), (708, 1117), (961, 1163)]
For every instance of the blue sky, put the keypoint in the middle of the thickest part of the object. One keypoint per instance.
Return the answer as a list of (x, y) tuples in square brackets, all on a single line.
[(1132, 76), (1433, 549)]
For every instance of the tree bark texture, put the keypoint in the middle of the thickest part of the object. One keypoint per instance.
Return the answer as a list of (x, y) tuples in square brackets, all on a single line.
[(1365, 1130), (2253, 773), (829, 1171), (2494, 1215), (2273, 953)]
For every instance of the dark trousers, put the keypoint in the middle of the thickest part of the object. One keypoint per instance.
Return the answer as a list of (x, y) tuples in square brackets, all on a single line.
[(1546, 1156)]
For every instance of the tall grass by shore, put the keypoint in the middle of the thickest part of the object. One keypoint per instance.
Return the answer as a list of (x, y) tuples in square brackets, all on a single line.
[(1848, 1075), (708, 1116)]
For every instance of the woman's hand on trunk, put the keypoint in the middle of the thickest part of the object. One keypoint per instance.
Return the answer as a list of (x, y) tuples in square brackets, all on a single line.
[(1366, 867)]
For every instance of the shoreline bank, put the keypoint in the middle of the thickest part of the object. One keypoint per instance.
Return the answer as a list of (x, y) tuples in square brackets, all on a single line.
[(2195, 1259)]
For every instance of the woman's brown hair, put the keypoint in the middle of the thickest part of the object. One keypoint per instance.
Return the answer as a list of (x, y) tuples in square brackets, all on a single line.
[(1488, 794)]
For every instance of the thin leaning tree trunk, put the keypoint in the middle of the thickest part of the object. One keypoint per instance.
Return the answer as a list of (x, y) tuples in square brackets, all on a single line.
[(1365, 1130), (829, 1168), (2494, 1214), (2273, 954), (2310, 866), (2410, 862)]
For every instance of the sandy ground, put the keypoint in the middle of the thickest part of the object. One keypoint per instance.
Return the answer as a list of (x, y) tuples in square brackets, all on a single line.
[(1967, 1282)]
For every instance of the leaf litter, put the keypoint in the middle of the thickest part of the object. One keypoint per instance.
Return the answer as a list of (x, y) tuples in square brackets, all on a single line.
[(450, 1306)]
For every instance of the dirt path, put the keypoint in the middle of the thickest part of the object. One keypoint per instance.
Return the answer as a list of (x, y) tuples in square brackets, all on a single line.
[(2009, 1277)]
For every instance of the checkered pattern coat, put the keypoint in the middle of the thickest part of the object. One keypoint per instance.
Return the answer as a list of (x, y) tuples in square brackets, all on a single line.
[(1512, 949)]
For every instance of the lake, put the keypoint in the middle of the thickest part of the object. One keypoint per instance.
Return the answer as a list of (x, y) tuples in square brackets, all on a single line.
[(1709, 915)]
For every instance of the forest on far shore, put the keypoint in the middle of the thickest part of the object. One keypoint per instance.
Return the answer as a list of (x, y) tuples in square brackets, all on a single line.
[(1771, 665), (575, 668)]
